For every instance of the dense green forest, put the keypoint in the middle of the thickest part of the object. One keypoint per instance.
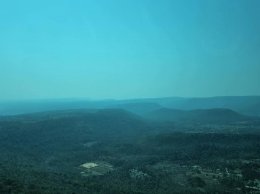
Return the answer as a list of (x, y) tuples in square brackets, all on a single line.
[(125, 153)]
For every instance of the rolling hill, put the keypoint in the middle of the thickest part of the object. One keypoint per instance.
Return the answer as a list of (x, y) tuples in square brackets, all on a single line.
[(218, 116)]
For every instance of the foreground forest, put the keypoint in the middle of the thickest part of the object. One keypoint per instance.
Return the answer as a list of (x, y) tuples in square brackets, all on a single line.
[(115, 151)]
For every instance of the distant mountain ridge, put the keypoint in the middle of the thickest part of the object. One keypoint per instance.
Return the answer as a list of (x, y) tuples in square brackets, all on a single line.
[(247, 105), (108, 115)]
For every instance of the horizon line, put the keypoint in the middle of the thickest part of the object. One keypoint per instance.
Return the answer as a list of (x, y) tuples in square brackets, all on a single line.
[(117, 99)]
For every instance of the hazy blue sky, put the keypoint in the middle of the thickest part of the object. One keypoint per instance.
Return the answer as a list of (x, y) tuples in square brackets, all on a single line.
[(129, 48)]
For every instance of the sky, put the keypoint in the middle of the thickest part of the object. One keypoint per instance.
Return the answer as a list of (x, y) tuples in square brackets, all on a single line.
[(120, 49)]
